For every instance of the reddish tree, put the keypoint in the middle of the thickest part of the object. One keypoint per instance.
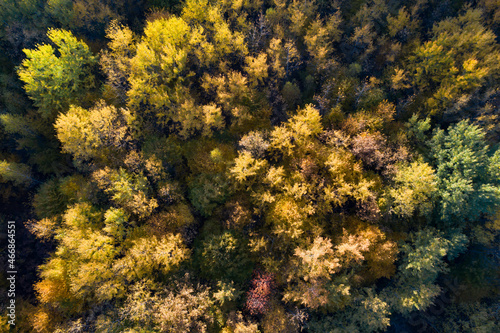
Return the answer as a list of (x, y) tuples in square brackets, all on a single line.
[(259, 295)]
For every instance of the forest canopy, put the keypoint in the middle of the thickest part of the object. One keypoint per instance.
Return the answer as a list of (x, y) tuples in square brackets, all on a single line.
[(251, 166)]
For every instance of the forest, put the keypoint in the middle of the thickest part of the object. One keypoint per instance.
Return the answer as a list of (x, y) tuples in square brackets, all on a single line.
[(250, 166)]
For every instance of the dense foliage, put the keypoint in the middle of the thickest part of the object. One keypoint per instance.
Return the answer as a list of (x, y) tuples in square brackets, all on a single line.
[(251, 166)]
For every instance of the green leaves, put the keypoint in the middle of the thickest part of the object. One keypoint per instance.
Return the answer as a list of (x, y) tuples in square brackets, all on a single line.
[(18, 173), (223, 257), (56, 77), (467, 183), (422, 262)]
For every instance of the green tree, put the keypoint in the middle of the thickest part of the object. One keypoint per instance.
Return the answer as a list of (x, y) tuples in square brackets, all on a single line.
[(18, 173), (55, 78), (224, 257), (467, 176), (415, 285), (369, 314)]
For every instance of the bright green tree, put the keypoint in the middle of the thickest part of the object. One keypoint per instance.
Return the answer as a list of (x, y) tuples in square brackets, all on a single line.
[(56, 77)]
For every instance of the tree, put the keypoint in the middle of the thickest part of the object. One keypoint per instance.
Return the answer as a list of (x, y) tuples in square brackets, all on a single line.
[(246, 168), (149, 255), (460, 58), (369, 314), (259, 295), (414, 190), (160, 76), (298, 131), (85, 17), (130, 191), (98, 133), (467, 180), (255, 143), (56, 78), (207, 191), (115, 62), (319, 38), (423, 260), (239, 97), (182, 308), (224, 257), (18, 173)]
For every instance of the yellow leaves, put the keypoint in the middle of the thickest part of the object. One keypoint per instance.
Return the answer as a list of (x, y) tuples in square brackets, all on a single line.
[(95, 132), (42, 321), (339, 161), (281, 138), (364, 243), (399, 79), (347, 179), (319, 38), (53, 81), (81, 216), (170, 252), (299, 130), (173, 219), (283, 56), (415, 186), (278, 320), (434, 63), (115, 220), (93, 246), (188, 310), (352, 248), (448, 63), (421, 298), (212, 118), (43, 229), (204, 51), (88, 278), (256, 67), (51, 290), (399, 22), (275, 52), (122, 39), (246, 167), (275, 176), (288, 217), (237, 97), (150, 253), (311, 295), (18, 173), (160, 63), (158, 33), (470, 64), (130, 191), (363, 247), (319, 260), (195, 11), (194, 118), (473, 75), (306, 123)]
